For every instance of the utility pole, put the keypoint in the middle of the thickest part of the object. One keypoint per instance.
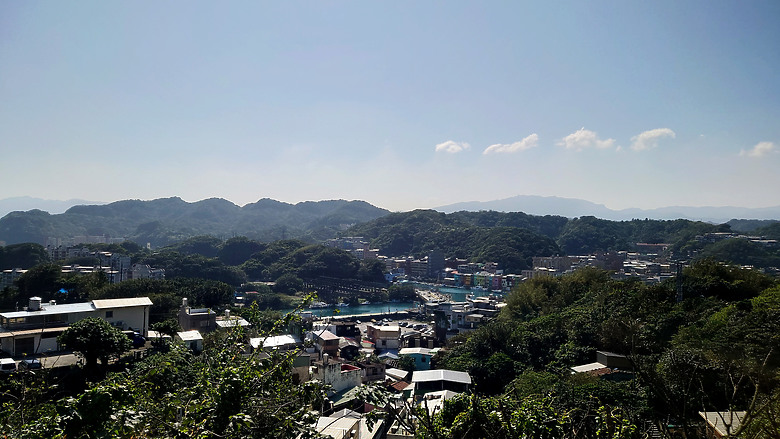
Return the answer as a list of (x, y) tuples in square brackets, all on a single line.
[(679, 279)]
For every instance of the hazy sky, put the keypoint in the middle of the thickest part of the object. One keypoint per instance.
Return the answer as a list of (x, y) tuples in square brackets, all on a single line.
[(401, 104)]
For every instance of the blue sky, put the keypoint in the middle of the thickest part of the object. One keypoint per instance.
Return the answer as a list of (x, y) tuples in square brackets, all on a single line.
[(402, 104)]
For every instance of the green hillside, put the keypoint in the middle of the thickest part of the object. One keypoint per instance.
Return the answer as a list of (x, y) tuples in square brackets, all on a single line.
[(168, 220)]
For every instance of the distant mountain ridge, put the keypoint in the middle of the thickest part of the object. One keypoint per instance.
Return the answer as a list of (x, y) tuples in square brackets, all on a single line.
[(572, 207), (166, 220), (8, 205)]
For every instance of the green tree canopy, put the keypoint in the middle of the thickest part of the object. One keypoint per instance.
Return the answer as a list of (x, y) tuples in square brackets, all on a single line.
[(23, 256), (236, 251), (94, 339), (288, 284)]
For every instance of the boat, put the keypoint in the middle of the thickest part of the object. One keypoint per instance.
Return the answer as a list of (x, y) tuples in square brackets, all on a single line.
[(318, 305), (342, 304)]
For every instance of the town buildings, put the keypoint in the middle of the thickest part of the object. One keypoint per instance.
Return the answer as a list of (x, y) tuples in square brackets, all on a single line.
[(35, 329)]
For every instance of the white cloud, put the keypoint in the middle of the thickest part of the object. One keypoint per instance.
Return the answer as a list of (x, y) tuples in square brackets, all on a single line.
[(760, 150), (649, 139), (583, 138), (452, 147), (527, 143)]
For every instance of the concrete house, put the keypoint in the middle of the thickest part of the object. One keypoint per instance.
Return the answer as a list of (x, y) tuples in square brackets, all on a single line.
[(421, 356), (192, 339), (339, 375), (372, 371), (384, 337), (199, 319), (35, 329), (608, 365), (284, 342), (325, 342)]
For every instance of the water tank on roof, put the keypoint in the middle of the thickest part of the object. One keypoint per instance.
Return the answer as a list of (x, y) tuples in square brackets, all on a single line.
[(35, 304)]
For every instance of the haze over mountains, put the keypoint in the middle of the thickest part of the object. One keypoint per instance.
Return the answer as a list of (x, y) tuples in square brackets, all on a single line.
[(530, 204), (571, 207), (8, 205)]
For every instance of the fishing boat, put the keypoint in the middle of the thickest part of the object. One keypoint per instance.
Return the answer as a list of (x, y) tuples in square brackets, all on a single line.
[(318, 305)]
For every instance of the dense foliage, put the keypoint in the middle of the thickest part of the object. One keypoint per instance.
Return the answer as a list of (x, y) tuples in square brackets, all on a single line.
[(422, 231), (172, 393), (512, 239), (22, 256), (169, 220), (94, 338), (716, 349)]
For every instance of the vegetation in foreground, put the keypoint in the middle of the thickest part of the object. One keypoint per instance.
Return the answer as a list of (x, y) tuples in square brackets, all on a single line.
[(717, 349)]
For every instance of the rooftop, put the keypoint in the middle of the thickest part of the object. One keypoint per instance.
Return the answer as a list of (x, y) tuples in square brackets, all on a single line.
[(420, 376), (121, 303), (68, 308), (720, 420), (410, 351), (47, 309), (588, 367), (190, 335), (327, 335), (398, 374), (274, 342)]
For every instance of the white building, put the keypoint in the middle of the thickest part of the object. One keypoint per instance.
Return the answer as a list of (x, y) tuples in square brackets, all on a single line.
[(192, 339), (35, 329), (384, 337), (339, 375)]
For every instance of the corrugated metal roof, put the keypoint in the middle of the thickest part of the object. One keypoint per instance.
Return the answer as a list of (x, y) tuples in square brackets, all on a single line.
[(190, 335), (588, 367), (400, 385), (274, 341), (398, 374), (410, 351), (46, 309), (4, 334), (441, 375), (121, 303), (232, 322), (719, 420), (327, 335)]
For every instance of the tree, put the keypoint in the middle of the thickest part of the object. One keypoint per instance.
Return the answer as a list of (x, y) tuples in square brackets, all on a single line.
[(94, 339), (402, 293), (42, 280), (236, 251), (24, 256), (406, 363), (288, 284), (167, 327)]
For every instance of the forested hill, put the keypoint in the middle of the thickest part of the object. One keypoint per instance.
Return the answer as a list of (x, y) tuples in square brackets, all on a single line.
[(167, 220), (511, 239)]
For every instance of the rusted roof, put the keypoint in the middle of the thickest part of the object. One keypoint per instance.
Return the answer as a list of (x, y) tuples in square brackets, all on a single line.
[(121, 303), (399, 385)]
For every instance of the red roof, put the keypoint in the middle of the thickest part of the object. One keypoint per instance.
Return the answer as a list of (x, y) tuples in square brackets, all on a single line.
[(399, 385)]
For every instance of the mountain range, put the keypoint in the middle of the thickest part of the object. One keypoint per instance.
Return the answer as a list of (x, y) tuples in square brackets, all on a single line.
[(8, 205), (167, 220), (572, 208)]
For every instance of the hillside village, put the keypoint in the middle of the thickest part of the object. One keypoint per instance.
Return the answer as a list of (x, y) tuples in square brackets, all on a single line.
[(469, 328)]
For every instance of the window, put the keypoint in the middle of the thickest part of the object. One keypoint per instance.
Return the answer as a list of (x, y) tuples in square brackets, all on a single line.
[(109, 314)]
